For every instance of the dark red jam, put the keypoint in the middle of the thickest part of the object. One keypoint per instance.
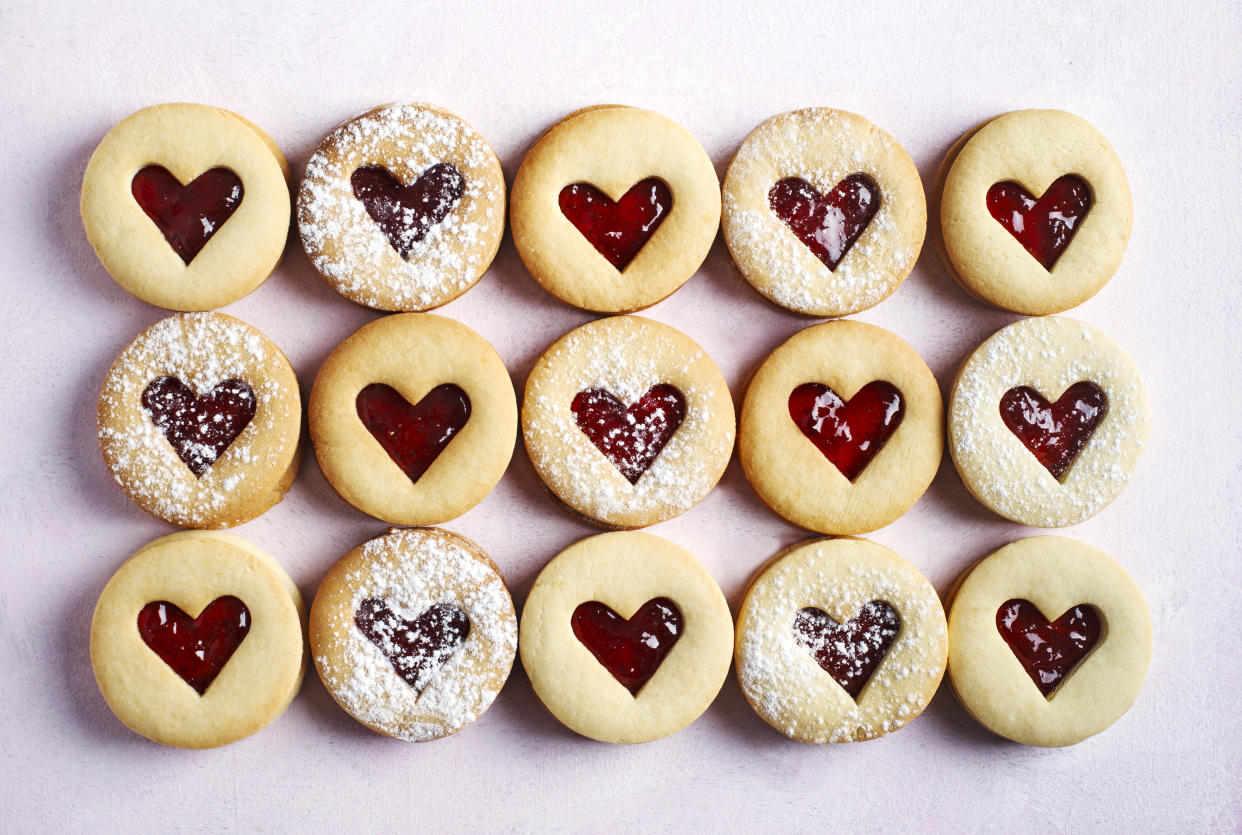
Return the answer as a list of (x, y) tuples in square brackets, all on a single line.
[(618, 230), (848, 434), (200, 429), (828, 224), (187, 215), (415, 648), (195, 648), (850, 651), (1045, 226), (413, 436), (1054, 433), (406, 214), (632, 650), (1049, 651), (631, 437)]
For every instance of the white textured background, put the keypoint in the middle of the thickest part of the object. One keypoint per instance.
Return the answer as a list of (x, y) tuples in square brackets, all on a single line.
[(1162, 85)]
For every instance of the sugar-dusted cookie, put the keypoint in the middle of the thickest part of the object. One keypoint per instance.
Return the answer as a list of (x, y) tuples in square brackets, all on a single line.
[(413, 418), (1034, 211), (614, 208), (197, 640), (1050, 641), (627, 421), (187, 205), (839, 640), (413, 633), (824, 212), (200, 419), (1047, 421), (402, 208), (841, 428), (625, 637)]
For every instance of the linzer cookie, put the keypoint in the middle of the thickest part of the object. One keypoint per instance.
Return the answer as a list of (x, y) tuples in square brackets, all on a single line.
[(824, 212), (199, 421), (1047, 421), (1034, 211), (627, 421), (186, 205), (614, 208), (402, 208)]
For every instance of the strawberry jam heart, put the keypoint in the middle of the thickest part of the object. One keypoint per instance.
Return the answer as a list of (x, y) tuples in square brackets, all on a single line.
[(413, 436), (631, 438), (187, 215), (406, 214), (1045, 226), (195, 648), (617, 230), (200, 428), (632, 650), (415, 648), (1054, 433), (850, 651), (827, 223), (848, 434), (1049, 651)]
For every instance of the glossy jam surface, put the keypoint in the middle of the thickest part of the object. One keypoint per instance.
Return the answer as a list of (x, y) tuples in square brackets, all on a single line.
[(618, 230), (405, 214), (413, 436), (631, 438), (828, 224), (1049, 651), (1054, 432), (188, 215), (849, 434), (632, 650), (195, 648), (1045, 226), (200, 429), (850, 651), (418, 648)]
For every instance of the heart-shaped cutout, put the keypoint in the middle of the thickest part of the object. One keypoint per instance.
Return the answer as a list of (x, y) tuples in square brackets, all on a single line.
[(195, 648), (828, 224), (1045, 226), (199, 427), (413, 436), (849, 434), (417, 648), (1048, 650), (405, 214), (631, 650), (849, 652), (631, 438), (187, 215), (618, 230), (1055, 433)]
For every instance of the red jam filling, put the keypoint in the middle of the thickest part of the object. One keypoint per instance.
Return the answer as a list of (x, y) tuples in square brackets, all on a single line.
[(1045, 226), (405, 214), (632, 650), (413, 436), (631, 438), (415, 648), (200, 429), (195, 648), (850, 651), (849, 434), (828, 224), (187, 215), (1049, 651), (617, 230), (1054, 433)]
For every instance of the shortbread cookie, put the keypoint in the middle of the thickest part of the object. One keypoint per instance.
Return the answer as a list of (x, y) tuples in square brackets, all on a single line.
[(1047, 421), (413, 418), (614, 208), (187, 205), (1050, 641), (200, 421), (824, 212), (627, 421), (402, 208), (839, 640), (197, 640), (1034, 211), (841, 428), (413, 633), (625, 637)]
